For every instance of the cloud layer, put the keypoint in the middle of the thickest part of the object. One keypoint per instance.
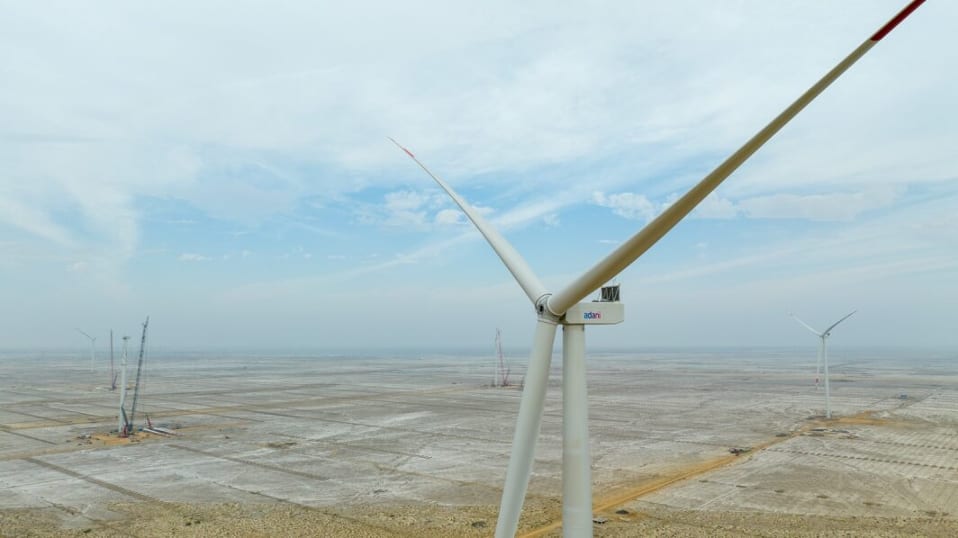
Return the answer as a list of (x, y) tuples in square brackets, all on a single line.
[(252, 138)]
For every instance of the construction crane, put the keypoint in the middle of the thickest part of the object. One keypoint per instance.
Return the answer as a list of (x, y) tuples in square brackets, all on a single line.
[(139, 371)]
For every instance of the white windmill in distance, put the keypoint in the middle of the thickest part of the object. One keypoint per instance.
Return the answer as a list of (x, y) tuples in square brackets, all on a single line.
[(823, 356), (563, 308), (92, 347)]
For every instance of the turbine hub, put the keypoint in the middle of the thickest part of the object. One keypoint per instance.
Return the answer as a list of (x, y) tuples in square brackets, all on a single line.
[(544, 313)]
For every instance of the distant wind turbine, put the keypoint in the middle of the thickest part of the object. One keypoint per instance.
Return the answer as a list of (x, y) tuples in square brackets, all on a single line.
[(823, 356), (122, 427), (564, 308), (112, 372), (92, 347)]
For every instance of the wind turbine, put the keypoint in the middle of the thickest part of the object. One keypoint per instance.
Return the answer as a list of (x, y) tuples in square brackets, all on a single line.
[(823, 356), (563, 308), (92, 347), (122, 423), (112, 372)]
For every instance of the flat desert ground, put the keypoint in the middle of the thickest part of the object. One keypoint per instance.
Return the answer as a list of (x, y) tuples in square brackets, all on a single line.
[(416, 445)]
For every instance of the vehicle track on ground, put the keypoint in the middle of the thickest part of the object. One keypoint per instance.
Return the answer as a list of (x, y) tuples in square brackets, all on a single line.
[(318, 400), (862, 458), (91, 480), (623, 495), (5, 430), (276, 468)]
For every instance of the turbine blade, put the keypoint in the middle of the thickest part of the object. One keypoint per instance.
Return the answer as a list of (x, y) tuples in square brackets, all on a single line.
[(85, 334), (513, 261), (635, 246), (829, 330), (806, 325), (527, 430)]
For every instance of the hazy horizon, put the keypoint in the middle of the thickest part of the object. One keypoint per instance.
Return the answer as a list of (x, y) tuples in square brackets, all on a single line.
[(520, 352)]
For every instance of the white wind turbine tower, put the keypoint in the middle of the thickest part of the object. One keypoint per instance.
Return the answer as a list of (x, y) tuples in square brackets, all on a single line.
[(823, 356), (92, 347), (121, 416), (563, 308)]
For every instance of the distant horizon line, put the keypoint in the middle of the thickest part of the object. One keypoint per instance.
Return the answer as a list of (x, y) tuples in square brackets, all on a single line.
[(470, 348)]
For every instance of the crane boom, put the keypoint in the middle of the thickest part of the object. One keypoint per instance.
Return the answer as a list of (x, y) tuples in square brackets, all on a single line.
[(139, 370)]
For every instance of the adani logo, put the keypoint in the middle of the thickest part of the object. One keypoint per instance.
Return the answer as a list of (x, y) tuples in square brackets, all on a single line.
[(592, 315)]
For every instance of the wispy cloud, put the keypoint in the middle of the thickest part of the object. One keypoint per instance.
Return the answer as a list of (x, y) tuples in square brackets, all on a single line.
[(449, 216), (872, 246), (193, 257), (835, 206), (822, 207), (35, 221), (627, 204)]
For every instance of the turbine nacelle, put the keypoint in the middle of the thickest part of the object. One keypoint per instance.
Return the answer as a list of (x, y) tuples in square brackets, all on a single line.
[(595, 313)]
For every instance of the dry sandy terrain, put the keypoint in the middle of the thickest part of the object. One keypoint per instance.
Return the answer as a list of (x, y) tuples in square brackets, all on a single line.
[(417, 446)]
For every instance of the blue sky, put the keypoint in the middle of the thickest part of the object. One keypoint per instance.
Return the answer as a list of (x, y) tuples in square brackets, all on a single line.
[(224, 168)]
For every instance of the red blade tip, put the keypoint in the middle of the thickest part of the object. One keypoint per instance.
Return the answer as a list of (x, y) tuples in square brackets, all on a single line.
[(401, 147), (890, 25)]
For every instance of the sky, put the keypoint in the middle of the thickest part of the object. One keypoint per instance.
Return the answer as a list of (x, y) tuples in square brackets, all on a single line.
[(224, 167)]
